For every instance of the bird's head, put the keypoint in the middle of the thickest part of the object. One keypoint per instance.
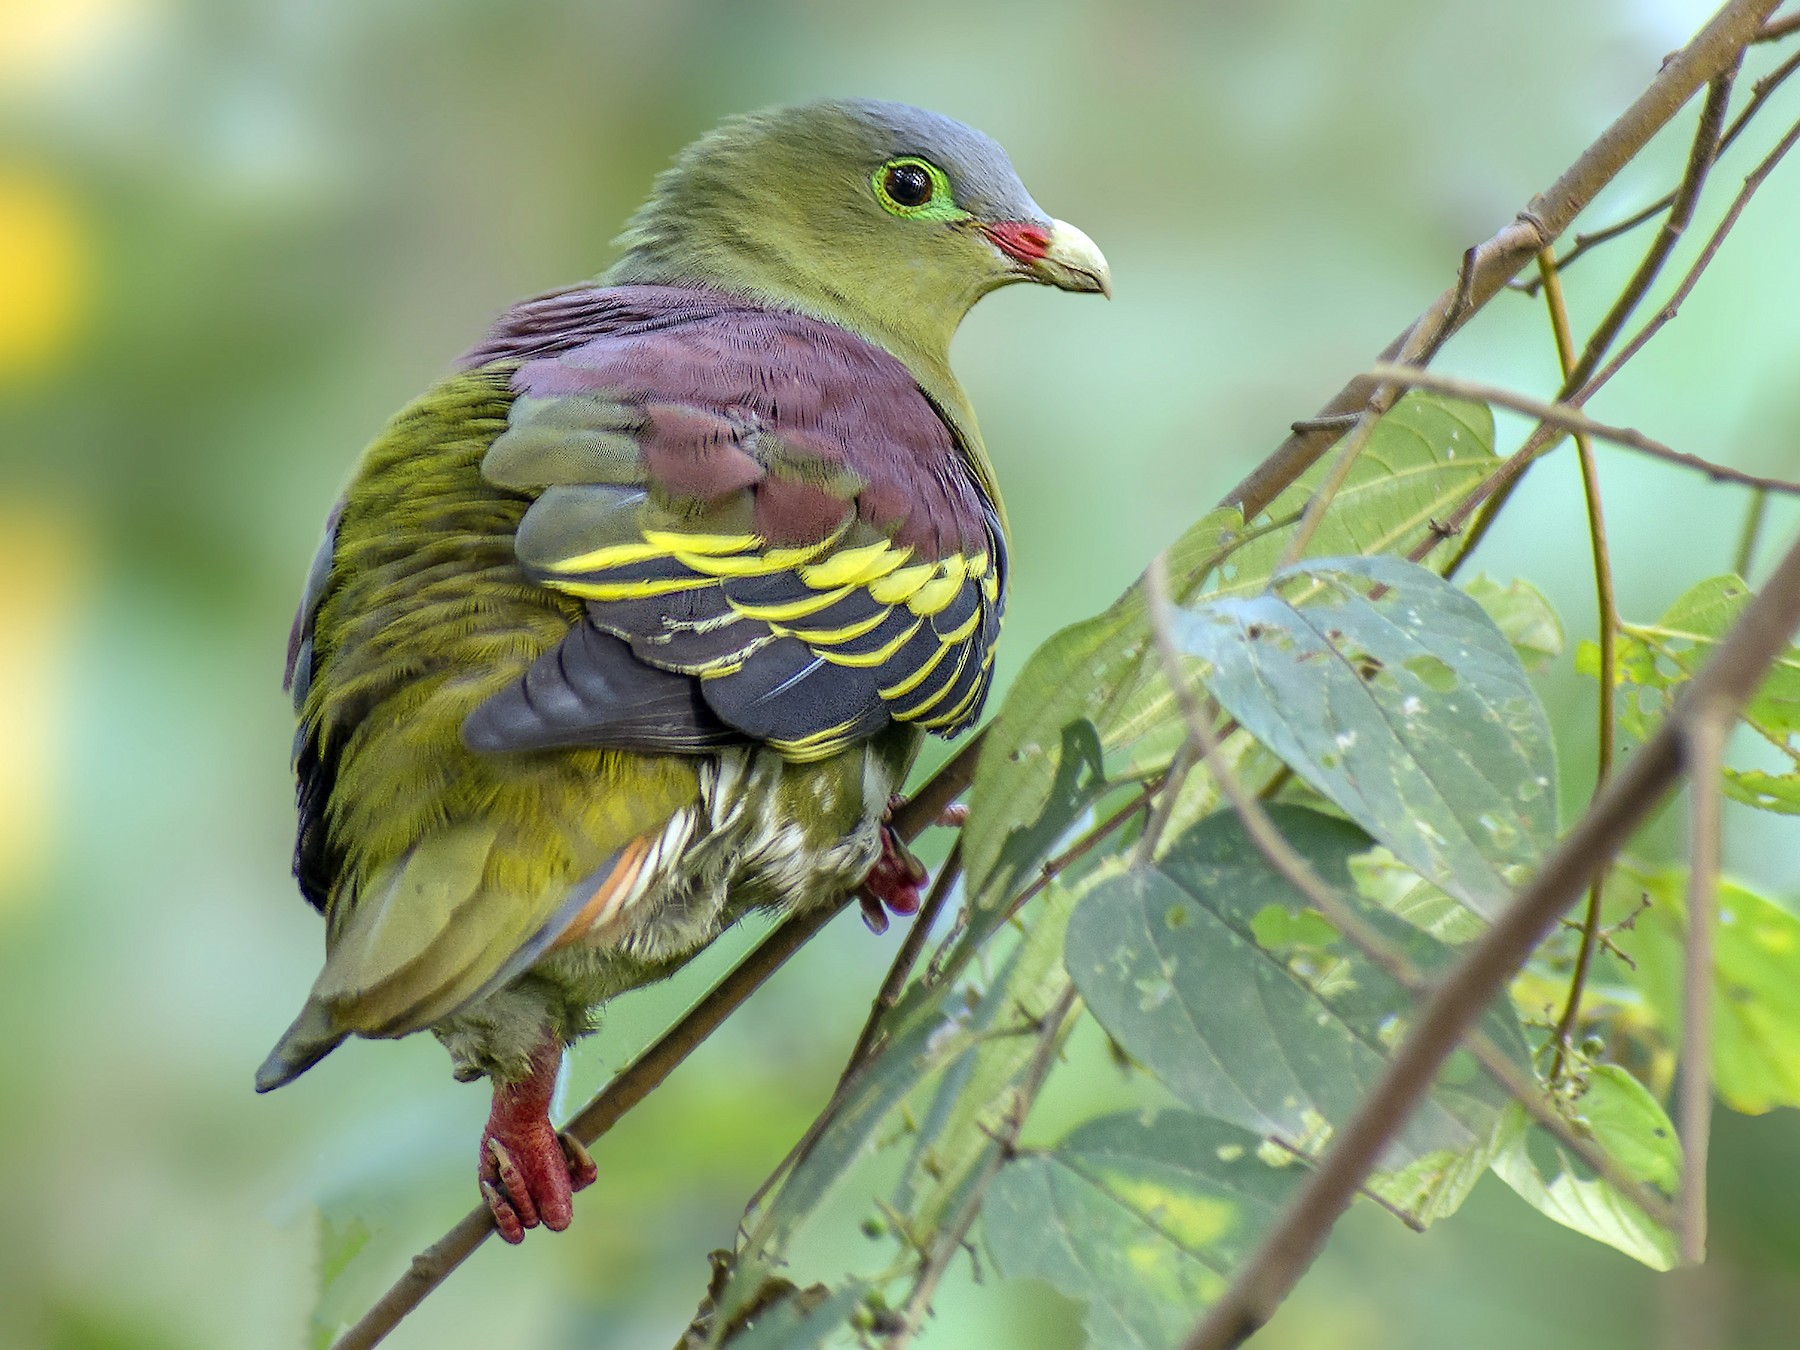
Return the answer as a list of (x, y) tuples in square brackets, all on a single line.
[(884, 218)]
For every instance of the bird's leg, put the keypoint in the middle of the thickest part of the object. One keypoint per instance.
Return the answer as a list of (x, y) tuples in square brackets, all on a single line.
[(528, 1171), (896, 884)]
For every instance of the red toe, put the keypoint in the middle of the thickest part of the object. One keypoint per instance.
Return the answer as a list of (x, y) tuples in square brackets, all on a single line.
[(529, 1173)]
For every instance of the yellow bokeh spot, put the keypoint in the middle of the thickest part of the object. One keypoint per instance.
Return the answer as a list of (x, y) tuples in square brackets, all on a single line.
[(45, 271), (40, 39)]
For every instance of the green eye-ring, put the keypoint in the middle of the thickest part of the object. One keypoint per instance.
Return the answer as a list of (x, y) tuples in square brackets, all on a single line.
[(914, 188)]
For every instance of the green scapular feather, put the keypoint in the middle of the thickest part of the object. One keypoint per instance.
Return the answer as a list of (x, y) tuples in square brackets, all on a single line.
[(634, 623)]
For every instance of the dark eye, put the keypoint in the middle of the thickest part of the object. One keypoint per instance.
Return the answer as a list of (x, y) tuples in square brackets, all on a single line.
[(907, 184)]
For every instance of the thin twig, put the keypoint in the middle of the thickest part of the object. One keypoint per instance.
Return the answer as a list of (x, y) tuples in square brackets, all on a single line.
[(1700, 159), (1753, 523), (905, 959), (1086, 845), (1571, 418), (1706, 733), (1544, 219), (1394, 963), (866, 1041), (1737, 666), (1752, 181), (1186, 756), (1776, 29), (1608, 633), (1006, 1140)]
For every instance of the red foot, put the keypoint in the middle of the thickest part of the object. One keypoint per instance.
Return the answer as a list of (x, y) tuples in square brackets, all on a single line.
[(896, 884), (528, 1172)]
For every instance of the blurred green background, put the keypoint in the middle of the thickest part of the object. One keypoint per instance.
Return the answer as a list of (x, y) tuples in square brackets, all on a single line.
[(236, 234)]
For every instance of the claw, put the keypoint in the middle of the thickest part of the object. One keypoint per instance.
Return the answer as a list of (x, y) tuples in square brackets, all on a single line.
[(506, 1220), (582, 1172)]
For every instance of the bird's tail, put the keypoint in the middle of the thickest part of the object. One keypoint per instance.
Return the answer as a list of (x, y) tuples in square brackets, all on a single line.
[(313, 1035), (433, 933)]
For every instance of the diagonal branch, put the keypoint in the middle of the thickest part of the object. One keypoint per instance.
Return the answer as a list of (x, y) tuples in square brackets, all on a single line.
[(1738, 664)]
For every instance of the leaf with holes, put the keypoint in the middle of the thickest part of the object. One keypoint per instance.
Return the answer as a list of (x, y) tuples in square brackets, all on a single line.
[(1214, 974), (1392, 694), (1141, 1219)]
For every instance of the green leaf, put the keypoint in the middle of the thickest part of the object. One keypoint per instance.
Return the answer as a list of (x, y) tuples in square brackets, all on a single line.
[(1422, 457), (340, 1242), (1520, 611), (1211, 971), (974, 1095), (1625, 1120), (1391, 693), (1756, 981), (1402, 892), (1655, 660), (1142, 1219)]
